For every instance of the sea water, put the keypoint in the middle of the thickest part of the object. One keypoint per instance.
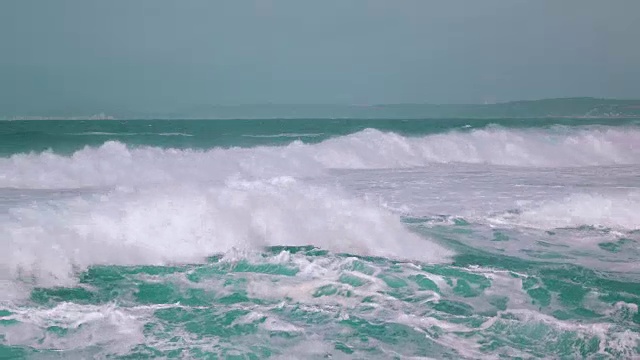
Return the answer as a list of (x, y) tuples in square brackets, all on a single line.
[(325, 238)]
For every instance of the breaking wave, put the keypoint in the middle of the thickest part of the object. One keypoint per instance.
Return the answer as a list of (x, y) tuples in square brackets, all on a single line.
[(48, 241), (616, 211), (115, 163)]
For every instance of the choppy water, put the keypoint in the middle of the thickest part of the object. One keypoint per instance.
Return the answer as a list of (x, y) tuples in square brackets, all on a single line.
[(444, 239)]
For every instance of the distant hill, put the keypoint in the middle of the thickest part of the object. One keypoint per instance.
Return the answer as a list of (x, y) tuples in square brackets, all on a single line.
[(562, 107)]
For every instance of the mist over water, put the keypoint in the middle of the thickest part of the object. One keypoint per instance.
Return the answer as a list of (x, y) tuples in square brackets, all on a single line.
[(347, 240)]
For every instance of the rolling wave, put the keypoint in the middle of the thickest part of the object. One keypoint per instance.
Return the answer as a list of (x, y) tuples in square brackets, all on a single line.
[(115, 163), (48, 241), (616, 211)]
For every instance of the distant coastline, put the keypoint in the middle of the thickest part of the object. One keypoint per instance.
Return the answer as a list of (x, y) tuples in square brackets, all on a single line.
[(583, 107)]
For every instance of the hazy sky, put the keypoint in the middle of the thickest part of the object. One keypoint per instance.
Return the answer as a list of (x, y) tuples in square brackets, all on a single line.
[(161, 54)]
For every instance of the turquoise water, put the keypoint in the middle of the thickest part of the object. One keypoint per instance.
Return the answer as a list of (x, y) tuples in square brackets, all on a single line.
[(364, 239), (72, 135)]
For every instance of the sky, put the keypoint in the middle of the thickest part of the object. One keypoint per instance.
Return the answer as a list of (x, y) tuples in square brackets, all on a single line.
[(160, 55)]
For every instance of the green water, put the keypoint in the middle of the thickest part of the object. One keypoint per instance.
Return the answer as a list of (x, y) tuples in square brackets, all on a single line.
[(71, 135), (209, 311), (138, 251)]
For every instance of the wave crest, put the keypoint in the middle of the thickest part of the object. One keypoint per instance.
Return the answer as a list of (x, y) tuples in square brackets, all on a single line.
[(616, 211), (115, 163), (160, 225)]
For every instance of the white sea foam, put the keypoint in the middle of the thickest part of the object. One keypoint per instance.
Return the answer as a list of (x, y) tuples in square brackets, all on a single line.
[(46, 242), (612, 338), (617, 211), (114, 163), (499, 146), (90, 133), (87, 325)]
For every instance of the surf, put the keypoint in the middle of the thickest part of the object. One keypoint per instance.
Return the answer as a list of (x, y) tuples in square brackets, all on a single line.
[(116, 163)]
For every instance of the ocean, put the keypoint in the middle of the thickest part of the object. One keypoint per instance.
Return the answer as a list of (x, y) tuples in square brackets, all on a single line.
[(320, 238)]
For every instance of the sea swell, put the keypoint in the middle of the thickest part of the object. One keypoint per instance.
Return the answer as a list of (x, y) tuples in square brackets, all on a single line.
[(370, 245), (115, 163), (49, 241)]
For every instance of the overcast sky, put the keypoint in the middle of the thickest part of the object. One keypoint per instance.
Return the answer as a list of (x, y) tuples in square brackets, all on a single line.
[(161, 54)]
